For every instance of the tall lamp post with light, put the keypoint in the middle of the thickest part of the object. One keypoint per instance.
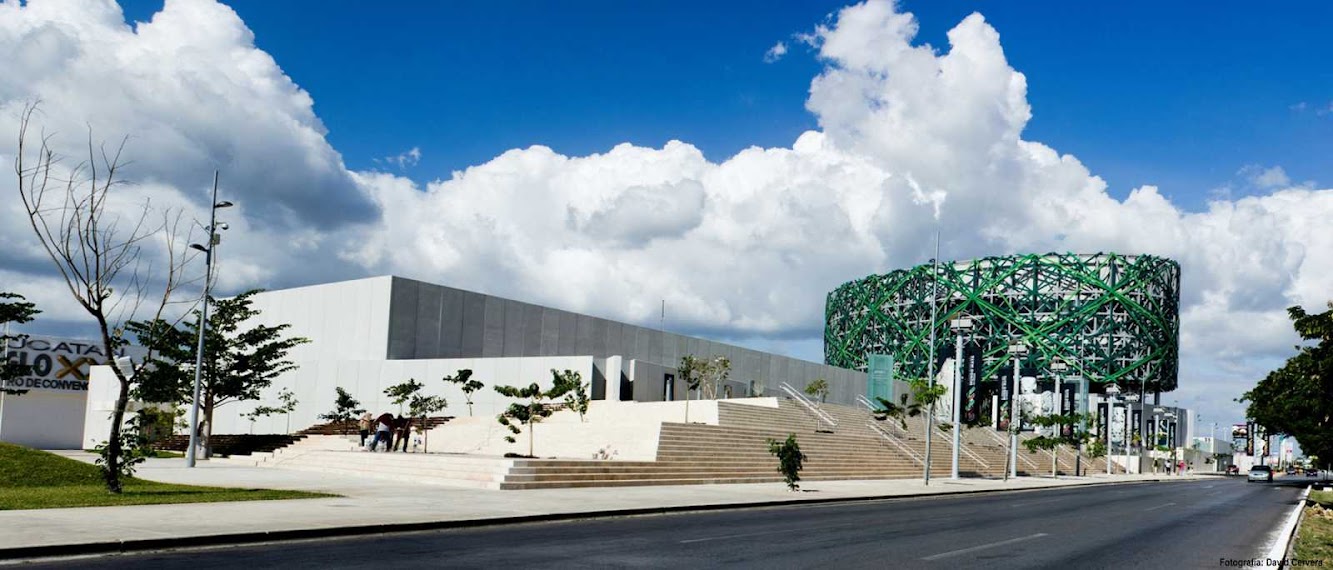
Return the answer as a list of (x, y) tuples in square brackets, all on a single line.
[(1111, 392), (213, 240), (959, 326)]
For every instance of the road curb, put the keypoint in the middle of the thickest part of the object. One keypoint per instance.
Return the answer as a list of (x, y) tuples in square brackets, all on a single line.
[(256, 537), (1282, 546)]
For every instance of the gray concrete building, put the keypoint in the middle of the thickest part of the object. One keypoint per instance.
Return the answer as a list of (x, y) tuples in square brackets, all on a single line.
[(428, 321)]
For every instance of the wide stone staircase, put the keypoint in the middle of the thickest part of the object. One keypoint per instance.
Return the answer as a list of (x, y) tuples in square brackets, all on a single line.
[(734, 451)]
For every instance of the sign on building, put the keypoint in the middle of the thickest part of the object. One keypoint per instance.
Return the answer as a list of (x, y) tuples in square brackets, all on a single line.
[(57, 364)]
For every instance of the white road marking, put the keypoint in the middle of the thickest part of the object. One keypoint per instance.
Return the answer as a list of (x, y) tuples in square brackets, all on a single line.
[(983, 546), (1158, 507)]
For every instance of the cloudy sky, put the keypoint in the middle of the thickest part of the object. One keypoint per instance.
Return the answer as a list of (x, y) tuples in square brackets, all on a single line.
[(738, 163)]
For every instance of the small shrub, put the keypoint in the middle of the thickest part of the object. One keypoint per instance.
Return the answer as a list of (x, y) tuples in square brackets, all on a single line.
[(790, 460)]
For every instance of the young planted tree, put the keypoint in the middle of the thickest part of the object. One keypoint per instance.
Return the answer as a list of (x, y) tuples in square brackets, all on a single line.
[(465, 382), (238, 363), (537, 407), (288, 406), (115, 267), (345, 409), (13, 310), (819, 388), (577, 398), (900, 411), (1057, 424), (420, 408), (716, 371), (790, 460), (401, 394), (691, 372)]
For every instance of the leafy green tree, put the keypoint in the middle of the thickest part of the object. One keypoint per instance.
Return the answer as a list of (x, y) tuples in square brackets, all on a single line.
[(465, 382), (691, 372), (577, 398), (537, 406), (238, 363), (819, 388), (790, 460), (1295, 399), (345, 409), (14, 310)]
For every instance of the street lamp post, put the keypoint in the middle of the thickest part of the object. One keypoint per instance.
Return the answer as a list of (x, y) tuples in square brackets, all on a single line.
[(1111, 391), (930, 359), (1015, 351), (958, 326), (1059, 368), (213, 240)]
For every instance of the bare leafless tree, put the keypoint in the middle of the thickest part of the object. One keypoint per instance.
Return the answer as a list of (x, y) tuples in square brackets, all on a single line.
[(99, 253)]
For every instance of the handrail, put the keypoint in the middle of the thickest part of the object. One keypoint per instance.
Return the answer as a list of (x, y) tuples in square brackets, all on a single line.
[(898, 444), (808, 404), (867, 403), (874, 409), (1005, 442), (962, 447)]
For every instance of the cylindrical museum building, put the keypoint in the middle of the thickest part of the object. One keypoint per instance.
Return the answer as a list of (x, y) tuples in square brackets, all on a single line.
[(1106, 317)]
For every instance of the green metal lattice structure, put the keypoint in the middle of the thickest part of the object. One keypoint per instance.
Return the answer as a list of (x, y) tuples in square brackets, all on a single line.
[(1110, 318)]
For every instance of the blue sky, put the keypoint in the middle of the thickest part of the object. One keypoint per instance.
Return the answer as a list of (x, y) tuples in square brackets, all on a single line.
[(1176, 96), (744, 247)]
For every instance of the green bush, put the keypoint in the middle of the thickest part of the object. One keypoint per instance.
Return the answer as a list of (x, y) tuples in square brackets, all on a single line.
[(790, 460)]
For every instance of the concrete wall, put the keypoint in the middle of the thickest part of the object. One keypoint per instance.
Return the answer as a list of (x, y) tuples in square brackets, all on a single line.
[(43, 419), (434, 321), (314, 384), (348, 320), (626, 431)]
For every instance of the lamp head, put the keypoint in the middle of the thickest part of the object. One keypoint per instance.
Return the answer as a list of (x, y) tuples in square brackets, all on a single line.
[(198, 247), (223, 204)]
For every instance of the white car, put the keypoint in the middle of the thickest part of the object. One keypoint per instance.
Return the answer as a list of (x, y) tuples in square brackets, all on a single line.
[(1260, 473)]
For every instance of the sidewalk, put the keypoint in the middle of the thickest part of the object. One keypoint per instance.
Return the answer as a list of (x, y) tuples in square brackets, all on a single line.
[(370, 505)]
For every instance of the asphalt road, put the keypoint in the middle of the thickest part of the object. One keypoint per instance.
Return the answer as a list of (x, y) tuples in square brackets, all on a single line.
[(1151, 525)]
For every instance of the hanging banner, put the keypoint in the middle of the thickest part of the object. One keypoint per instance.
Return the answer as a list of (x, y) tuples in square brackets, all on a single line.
[(1136, 427), (1005, 388), (1067, 407), (1102, 421), (971, 391)]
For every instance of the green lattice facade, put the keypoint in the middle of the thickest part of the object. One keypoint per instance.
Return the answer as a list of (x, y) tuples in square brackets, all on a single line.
[(1108, 317)]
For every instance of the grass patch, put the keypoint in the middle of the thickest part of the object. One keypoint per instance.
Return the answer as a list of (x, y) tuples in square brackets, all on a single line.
[(1315, 539), (39, 480)]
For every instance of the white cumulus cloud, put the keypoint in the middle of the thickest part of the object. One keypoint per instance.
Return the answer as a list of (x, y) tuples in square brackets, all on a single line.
[(910, 139)]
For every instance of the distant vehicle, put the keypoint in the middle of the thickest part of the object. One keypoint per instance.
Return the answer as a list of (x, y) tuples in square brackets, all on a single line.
[(1233, 470), (1311, 472), (1260, 473), (1291, 471)]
